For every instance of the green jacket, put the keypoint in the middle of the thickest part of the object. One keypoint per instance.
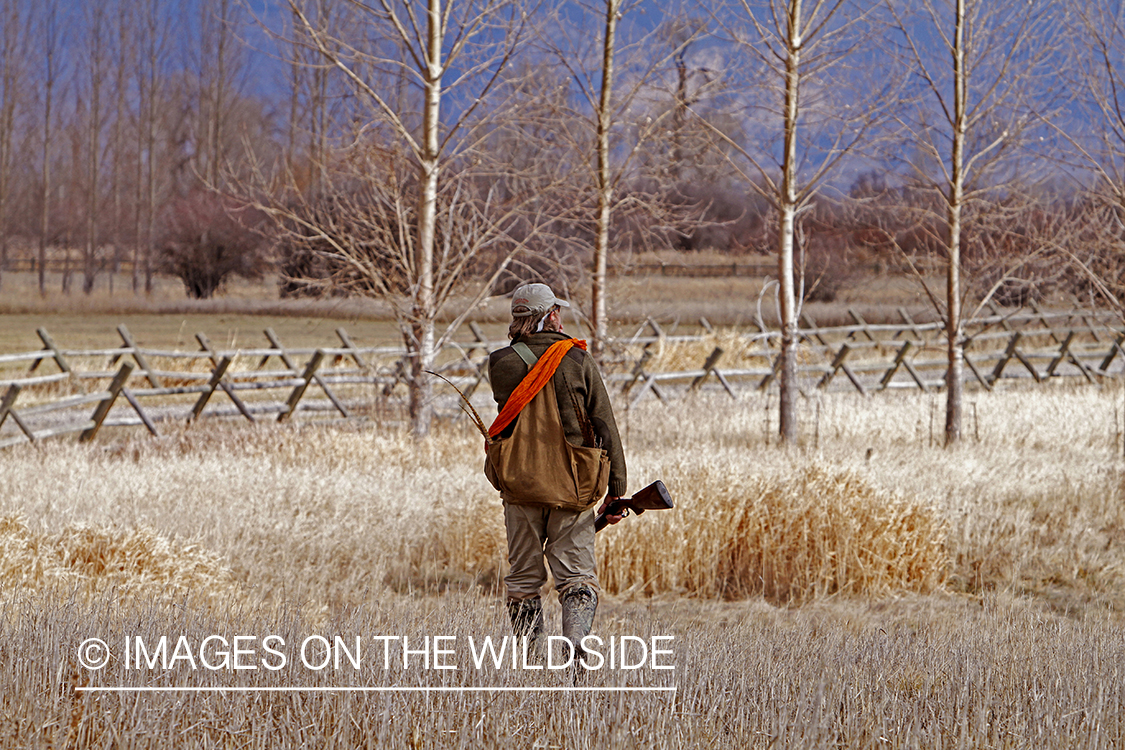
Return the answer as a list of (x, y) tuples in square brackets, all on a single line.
[(578, 375)]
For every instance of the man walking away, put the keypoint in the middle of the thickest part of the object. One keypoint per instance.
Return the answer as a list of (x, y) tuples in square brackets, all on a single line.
[(556, 452)]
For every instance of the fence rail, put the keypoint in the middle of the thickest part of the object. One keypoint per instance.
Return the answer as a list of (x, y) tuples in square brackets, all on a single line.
[(874, 357), (140, 386)]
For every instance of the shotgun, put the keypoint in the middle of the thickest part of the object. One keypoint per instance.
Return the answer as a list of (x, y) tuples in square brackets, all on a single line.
[(653, 497)]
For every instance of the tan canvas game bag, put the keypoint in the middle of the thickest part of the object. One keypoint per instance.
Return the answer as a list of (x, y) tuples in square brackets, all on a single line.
[(536, 465)]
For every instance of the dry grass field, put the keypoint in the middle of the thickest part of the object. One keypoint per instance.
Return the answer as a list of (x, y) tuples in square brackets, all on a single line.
[(868, 589)]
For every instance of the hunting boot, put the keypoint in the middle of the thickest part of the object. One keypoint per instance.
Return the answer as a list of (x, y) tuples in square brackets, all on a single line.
[(578, 607), (527, 621)]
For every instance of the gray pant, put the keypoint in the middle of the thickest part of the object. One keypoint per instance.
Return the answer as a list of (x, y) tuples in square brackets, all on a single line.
[(565, 537)]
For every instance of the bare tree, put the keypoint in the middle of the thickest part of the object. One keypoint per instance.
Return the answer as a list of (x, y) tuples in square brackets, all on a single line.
[(153, 54), (93, 79), (14, 31), (816, 107), (219, 65), (980, 66), (1092, 128), (50, 36), (604, 184), (124, 39), (612, 117), (443, 49)]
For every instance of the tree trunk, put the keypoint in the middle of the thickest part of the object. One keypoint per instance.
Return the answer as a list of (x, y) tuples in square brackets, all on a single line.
[(138, 186), (605, 187), (421, 410), (953, 326), (93, 143), (45, 170), (150, 149), (218, 98), (787, 210), (117, 189), (9, 58)]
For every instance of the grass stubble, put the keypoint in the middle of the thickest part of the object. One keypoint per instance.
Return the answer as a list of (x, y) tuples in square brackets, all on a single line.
[(870, 589)]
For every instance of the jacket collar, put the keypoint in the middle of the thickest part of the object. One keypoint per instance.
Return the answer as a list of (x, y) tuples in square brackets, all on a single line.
[(545, 338)]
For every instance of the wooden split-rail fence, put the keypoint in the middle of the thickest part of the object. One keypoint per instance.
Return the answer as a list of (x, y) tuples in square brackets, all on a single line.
[(357, 382), (1029, 343), (134, 379)]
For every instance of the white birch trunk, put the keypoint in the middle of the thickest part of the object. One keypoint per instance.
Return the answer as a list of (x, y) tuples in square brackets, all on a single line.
[(421, 410), (787, 210), (605, 187), (954, 325)]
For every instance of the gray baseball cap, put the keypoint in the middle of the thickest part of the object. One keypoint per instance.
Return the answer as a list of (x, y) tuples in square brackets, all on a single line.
[(534, 299)]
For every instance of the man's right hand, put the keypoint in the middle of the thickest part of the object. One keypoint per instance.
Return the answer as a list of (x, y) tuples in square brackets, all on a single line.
[(611, 519)]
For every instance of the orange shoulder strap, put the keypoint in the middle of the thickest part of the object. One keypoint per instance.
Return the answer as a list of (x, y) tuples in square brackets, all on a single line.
[(529, 387)]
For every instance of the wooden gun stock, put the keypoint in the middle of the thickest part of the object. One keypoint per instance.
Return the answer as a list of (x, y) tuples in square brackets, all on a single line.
[(653, 497)]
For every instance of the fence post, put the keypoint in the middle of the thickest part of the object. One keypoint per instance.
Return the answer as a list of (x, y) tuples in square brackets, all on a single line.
[(276, 344), (1008, 354), (481, 341), (1063, 351), (49, 343), (10, 397), (6, 411), (1082, 367), (106, 403), (354, 353), (890, 373), (137, 355), (902, 313), (837, 363), (482, 375), (1043, 319), (638, 371), (980, 378), (772, 373), (863, 327), (650, 384), (216, 379), (205, 343), (1113, 350), (708, 366), (306, 379), (319, 380), (140, 412), (1092, 328), (812, 329), (1027, 363), (996, 314)]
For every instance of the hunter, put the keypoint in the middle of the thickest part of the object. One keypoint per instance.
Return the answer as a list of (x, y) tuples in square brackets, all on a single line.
[(555, 453)]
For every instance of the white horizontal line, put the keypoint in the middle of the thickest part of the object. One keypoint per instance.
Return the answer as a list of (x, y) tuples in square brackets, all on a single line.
[(363, 689)]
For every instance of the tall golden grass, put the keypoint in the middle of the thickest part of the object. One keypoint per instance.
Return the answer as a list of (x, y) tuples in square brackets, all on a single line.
[(134, 562), (792, 537)]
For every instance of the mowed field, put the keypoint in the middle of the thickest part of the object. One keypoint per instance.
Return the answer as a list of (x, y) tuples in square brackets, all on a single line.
[(237, 317), (868, 588)]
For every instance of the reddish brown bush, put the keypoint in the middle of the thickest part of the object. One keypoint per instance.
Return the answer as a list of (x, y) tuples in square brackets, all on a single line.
[(206, 240)]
